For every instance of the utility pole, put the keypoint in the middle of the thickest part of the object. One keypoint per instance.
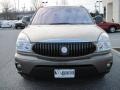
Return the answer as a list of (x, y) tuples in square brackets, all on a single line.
[(24, 8), (95, 6), (56, 2), (18, 5), (15, 5), (64, 2), (99, 5)]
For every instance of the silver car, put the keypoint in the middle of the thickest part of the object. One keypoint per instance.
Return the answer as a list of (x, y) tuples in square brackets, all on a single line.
[(63, 42)]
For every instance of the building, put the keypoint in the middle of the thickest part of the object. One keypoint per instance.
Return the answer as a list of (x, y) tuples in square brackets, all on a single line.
[(112, 10)]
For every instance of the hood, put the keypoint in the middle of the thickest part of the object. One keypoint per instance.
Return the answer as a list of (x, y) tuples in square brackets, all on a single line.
[(41, 33)]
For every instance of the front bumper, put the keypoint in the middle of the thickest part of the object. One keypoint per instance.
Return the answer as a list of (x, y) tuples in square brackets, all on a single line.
[(29, 64), (19, 25)]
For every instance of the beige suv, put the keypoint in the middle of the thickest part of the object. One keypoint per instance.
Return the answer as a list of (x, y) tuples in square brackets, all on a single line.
[(63, 42)]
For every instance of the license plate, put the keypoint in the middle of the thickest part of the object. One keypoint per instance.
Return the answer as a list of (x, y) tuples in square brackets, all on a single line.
[(64, 73)]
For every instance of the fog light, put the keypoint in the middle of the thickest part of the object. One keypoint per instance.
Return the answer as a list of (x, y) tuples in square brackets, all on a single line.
[(109, 65), (18, 66)]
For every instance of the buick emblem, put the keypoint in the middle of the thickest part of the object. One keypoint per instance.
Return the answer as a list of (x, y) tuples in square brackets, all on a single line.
[(64, 50)]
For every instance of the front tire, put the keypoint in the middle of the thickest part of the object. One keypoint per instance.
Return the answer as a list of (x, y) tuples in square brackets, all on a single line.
[(112, 29)]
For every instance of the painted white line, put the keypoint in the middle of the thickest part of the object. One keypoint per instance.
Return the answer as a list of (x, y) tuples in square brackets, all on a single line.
[(117, 52)]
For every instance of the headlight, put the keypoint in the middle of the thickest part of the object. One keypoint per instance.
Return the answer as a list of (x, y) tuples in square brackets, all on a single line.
[(103, 43), (23, 43)]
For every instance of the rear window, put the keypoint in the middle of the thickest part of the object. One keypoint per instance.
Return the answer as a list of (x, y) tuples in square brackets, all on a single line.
[(62, 15)]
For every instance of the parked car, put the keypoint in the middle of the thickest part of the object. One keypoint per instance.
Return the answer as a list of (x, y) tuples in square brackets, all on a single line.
[(21, 24), (107, 26), (6, 24), (63, 42), (0, 24)]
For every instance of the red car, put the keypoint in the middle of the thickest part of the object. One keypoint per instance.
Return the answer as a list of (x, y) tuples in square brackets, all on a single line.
[(107, 26)]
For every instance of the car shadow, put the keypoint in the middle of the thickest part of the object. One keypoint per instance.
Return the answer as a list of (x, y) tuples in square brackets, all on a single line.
[(66, 84), (68, 81), (118, 31)]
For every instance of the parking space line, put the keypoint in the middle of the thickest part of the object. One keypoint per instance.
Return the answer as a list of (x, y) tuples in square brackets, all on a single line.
[(117, 52)]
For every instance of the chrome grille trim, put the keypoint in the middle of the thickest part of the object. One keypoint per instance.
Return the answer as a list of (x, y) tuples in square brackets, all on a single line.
[(75, 49)]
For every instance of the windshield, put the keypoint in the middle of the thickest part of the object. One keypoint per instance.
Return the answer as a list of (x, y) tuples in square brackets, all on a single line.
[(62, 15), (26, 19)]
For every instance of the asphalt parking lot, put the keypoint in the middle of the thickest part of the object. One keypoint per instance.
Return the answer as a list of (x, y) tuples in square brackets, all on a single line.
[(11, 80)]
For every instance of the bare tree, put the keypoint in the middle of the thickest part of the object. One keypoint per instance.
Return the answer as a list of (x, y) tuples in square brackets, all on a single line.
[(5, 8), (37, 4), (5, 5)]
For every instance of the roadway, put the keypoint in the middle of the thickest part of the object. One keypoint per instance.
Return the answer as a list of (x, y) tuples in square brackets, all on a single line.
[(11, 80)]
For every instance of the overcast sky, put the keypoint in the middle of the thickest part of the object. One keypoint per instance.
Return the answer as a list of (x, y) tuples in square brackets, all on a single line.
[(89, 4)]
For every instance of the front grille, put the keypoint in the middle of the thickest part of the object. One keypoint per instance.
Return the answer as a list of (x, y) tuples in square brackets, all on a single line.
[(73, 49)]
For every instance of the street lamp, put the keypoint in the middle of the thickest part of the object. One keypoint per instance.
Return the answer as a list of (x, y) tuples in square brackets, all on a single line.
[(44, 3), (96, 6), (99, 5)]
